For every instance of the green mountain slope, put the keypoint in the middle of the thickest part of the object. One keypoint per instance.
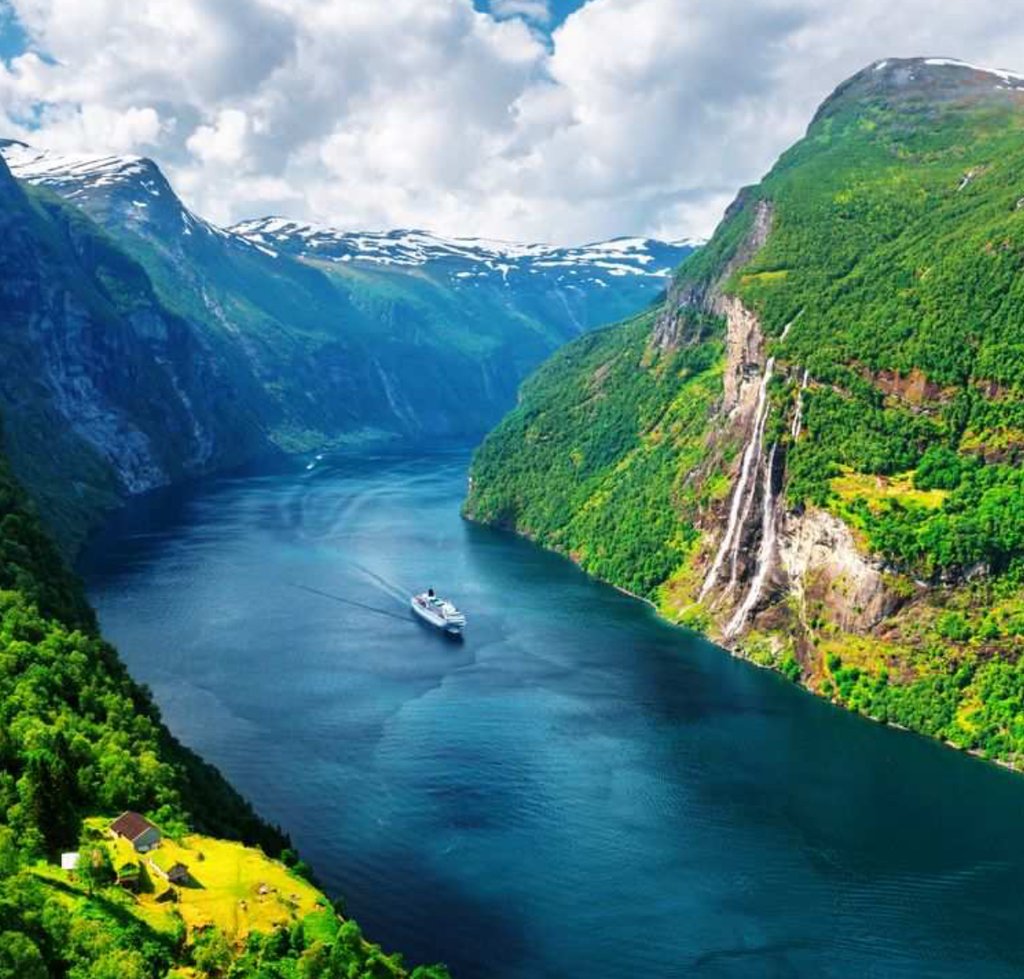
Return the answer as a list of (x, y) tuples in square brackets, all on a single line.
[(80, 740), (813, 450)]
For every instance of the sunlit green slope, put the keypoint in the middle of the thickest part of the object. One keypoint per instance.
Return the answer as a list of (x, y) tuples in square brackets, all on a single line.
[(865, 530)]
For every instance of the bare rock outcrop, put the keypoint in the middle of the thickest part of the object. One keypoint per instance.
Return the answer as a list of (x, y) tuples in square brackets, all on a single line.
[(704, 295), (827, 573), (745, 354), (761, 549)]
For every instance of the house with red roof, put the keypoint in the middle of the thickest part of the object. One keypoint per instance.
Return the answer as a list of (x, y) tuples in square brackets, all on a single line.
[(138, 830)]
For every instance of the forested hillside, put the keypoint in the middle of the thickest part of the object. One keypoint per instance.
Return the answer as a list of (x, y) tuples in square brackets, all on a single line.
[(79, 739), (813, 451)]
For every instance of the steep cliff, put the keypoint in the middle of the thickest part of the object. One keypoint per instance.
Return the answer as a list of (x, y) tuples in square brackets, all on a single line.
[(103, 390), (811, 451)]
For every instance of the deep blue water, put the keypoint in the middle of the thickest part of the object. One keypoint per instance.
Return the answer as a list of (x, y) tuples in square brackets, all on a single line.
[(576, 790)]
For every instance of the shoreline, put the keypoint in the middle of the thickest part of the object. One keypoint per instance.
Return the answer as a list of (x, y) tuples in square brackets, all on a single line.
[(736, 653)]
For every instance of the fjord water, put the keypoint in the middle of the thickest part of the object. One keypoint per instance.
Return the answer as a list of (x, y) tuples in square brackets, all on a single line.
[(576, 789)]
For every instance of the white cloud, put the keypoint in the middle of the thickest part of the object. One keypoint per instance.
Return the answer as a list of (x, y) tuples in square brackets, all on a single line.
[(635, 116), (222, 142)]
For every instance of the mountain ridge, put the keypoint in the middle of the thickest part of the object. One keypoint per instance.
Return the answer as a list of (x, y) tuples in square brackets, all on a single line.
[(247, 351), (623, 255), (78, 177), (811, 451)]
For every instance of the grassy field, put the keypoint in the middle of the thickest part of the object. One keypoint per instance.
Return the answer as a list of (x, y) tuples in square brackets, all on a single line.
[(873, 488), (232, 887)]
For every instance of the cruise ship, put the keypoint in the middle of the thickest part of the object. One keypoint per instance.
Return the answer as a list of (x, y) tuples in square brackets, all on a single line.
[(439, 612)]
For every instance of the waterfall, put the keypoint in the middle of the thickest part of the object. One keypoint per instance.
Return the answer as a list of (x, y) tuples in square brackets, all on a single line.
[(731, 538), (789, 326), (769, 533), (798, 415)]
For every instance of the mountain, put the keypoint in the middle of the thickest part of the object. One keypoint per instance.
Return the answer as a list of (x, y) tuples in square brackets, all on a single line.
[(144, 345), (590, 285), (103, 389), (812, 450)]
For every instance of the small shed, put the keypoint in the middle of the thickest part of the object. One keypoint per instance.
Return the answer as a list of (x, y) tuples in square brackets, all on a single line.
[(178, 874), (129, 876), (167, 896), (69, 861), (138, 830), (173, 871)]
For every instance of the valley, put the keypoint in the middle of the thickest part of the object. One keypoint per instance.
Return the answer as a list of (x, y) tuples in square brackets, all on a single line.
[(153, 346), (462, 796), (801, 440)]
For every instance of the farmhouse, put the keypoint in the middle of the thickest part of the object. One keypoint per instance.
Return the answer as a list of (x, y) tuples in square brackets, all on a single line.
[(138, 830)]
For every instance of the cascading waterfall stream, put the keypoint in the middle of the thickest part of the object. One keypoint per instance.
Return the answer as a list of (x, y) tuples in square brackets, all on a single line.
[(734, 551), (789, 326), (798, 415), (730, 540), (769, 533)]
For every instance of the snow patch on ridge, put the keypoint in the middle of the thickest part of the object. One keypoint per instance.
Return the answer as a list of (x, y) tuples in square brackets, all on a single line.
[(617, 257), (44, 167), (1006, 76), (137, 180)]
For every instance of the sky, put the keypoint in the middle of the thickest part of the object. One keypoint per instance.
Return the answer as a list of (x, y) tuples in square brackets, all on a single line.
[(532, 120)]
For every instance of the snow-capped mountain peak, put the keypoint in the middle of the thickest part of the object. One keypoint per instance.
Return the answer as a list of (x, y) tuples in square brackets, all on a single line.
[(73, 175), (467, 257), (131, 187), (1008, 77), (133, 190)]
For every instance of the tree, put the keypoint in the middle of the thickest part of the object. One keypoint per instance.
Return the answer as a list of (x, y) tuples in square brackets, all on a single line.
[(47, 791), (347, 950), (314, 963), (9, 856), (430, 972), (212, 954), (94, 866), (119, 964), (20, 958)]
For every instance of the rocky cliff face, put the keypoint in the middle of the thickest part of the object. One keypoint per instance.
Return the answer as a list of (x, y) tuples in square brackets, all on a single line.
[(758, 548), (104, 391)]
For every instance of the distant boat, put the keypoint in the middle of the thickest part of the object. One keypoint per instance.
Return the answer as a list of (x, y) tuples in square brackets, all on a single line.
[(438, 612)]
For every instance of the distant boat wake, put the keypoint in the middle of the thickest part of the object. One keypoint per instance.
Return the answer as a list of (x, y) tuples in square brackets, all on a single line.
[(388, 587), (395, 591), (349, 601)]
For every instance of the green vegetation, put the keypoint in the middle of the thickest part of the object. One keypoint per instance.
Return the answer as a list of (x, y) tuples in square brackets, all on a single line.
[(79, 743), (895, 258), (898, 227), (611, 428)]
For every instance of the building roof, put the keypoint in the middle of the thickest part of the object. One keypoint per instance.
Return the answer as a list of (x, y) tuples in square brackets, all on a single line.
[(164, 861), (131, 825), (69, 861)]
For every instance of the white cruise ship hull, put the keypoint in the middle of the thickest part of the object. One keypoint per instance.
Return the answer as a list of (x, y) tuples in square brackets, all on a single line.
[(435, 619)]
